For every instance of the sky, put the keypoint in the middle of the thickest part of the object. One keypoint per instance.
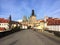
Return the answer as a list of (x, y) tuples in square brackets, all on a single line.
[(19, 8)]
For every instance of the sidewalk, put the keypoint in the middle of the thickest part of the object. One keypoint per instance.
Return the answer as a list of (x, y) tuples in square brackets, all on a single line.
[(50, 35)]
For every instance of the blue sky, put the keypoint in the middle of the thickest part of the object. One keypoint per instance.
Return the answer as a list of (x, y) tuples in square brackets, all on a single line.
[(19, 8)]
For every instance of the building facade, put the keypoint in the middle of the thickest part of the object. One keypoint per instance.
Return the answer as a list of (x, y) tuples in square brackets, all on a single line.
[(53, 24), (32, 19), (4, 24)]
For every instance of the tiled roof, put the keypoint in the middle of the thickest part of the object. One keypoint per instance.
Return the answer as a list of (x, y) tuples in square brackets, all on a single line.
[(1, 28), (53, 21), (40, 20), (2, 20)]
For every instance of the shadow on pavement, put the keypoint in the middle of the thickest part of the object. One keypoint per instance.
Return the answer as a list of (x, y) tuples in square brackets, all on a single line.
[(3, 34)]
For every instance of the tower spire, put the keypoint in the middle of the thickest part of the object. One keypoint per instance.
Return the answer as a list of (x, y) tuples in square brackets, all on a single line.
[(33, 14), (10, 17), (10, 23)]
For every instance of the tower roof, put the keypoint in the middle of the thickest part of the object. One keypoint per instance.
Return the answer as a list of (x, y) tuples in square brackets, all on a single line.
[(10, 18), (33, 14)]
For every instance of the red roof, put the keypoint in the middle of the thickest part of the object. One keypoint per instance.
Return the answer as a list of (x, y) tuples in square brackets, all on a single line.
[(53, 21), (40, 20), (2, 20), (2, 28)]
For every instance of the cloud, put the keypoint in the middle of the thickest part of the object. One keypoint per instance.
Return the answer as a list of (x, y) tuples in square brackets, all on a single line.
[(56, 11), (19, 8)]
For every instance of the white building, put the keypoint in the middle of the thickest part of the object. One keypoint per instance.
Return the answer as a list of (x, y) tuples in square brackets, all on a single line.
[(4, 24), (53, 24)]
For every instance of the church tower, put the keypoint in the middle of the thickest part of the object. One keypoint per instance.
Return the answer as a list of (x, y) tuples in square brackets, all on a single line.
[(32, 19), (33, 13), (10, 21), (10, 18)]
